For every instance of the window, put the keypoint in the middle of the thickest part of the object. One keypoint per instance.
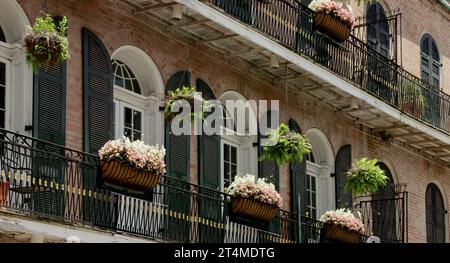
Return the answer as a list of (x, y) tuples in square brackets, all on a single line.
[(124, 77), (378, 29), (129, 104), (229, 162), (435, 215), (430, 61), (311, 196)]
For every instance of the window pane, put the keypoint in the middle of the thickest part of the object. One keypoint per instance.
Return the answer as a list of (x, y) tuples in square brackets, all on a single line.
[(2, 74), (2, 97), (233, 171), (313, 200), (308, 184), (233, 155), (127, 133), (137, 135), (313, 183), (435, 52), (137, 120), (226, 171), (136, 87), (226, 152), (119, 82), (128, 85), (127, 117), (2, 119), (425, 48)]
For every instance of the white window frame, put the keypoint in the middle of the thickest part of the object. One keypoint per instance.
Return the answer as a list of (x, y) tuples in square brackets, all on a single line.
[(222, 160), (313, 170), (119, 118), (8, 97)]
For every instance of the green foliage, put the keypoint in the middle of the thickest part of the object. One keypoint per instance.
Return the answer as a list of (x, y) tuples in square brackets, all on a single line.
[(365, 177), (412, 92), (178, 95), (46, 42), (287, 146)]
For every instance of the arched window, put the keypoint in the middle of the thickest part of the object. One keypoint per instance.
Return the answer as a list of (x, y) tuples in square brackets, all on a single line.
[(430, 61), (130, 109), (238, 155), (124, 77), (435, 215), (385, 209), (319, 166), (137, 88), (16, 78), (378, 29)]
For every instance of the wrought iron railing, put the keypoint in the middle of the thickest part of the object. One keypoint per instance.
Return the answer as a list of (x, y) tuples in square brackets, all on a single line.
[(290, 23), (50, 181), (385, 216)]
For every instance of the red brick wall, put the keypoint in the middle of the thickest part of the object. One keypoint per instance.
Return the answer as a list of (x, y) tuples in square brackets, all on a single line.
[(169, 54)]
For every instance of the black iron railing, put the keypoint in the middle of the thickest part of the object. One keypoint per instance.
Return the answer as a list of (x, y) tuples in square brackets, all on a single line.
[(385, 216), (57, 183), (290, 23)]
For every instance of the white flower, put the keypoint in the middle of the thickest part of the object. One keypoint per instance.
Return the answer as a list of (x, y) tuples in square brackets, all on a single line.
[(315, 3)]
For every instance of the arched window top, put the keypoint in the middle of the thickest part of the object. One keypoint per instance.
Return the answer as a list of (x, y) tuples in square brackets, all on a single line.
[(124, 77), (2, 35), (429, 48), (389, 189), (430, 60), (435, 215)]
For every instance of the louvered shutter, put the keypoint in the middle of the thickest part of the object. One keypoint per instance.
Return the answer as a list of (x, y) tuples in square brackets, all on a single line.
[(178, 147), (177, 161), (98, 93), (268, 168), (98, 120), (49, 124), (343, 164)]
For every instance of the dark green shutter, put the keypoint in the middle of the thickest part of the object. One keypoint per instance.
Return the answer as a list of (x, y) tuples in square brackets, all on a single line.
[(209, 149), (209, 177), (98, 120), (177, 161), (49, 124), (178, 147), (268, 168), (298, 185), (98, 93), (343, 164)]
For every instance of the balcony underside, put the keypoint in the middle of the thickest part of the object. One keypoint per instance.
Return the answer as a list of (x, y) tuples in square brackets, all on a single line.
[(238, 43)]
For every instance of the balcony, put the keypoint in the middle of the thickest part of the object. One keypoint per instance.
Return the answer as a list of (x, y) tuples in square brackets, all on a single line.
[(390, 102), (44, 181)]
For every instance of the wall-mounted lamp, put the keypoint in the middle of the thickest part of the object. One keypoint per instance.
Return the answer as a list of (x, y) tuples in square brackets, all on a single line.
[(177, 12), (274, 61)]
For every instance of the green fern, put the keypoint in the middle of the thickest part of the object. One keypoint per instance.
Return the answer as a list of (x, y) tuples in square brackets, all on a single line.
[(365, 177)]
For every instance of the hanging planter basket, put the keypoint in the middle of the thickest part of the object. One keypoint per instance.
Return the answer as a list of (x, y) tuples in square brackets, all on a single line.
[(253, 209), (336, 233), (46, 43), (178, 96), (332, 26), (121, 173)]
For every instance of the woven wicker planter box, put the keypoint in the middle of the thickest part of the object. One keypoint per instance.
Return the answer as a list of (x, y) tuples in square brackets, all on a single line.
[(331, 26), (253, 209), (120, 173), (337, 233)]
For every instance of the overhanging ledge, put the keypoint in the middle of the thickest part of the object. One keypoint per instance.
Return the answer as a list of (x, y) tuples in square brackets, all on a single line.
[(259, 39)]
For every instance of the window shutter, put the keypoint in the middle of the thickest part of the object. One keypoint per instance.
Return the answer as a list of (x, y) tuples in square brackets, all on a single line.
[(50, 104), (298, 177), (49, 118), (98, 93), (268, 168), (343, 164), (298, 185), (178, 147), (209, 149)]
